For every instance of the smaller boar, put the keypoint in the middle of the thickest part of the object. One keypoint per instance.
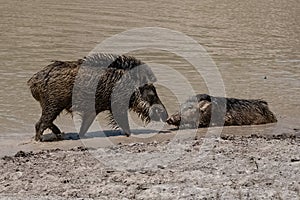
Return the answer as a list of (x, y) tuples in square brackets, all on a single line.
[(198, 110)]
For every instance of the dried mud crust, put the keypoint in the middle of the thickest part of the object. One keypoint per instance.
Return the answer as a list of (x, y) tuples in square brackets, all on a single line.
[(228, 167)]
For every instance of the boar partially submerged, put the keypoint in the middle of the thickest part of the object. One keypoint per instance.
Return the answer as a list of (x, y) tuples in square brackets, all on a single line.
[(100, 82), (204, 110)]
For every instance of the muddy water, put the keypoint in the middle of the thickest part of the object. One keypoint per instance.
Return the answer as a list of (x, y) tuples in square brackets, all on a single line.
[(254, 44)]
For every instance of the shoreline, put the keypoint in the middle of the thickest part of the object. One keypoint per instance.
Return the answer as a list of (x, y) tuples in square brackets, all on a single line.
[(114, 137)]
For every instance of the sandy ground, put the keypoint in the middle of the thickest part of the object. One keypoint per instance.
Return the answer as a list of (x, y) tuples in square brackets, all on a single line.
[(232, 166)]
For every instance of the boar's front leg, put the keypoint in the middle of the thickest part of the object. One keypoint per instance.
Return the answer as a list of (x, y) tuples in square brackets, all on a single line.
[(120, 118), (124, 124), (87, 120)]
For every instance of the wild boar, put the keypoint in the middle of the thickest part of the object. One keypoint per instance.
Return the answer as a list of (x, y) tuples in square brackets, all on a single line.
[(197, 112), (97, 83)]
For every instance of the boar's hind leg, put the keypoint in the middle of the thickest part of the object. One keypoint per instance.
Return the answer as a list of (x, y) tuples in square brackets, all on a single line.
[(46, 121), (56, 131), (87, 120)]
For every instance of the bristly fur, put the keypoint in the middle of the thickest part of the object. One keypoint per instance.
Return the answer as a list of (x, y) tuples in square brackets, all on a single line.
[(111, 61), (111, 121), (120, 62), (54, 88), (227, 112), (141, 107)]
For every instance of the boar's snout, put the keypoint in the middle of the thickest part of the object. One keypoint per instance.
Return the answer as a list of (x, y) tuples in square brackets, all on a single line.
[(158, 112), (174, 119)]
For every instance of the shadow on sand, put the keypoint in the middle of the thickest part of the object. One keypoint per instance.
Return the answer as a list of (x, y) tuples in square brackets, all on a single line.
[(98, 134)]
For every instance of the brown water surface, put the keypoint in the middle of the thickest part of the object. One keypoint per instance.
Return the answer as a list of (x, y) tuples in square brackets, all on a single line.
[(255, 45)]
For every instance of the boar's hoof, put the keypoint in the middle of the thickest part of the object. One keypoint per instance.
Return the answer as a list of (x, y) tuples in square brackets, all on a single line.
[(38, 137), (59, 136), (127, 134)]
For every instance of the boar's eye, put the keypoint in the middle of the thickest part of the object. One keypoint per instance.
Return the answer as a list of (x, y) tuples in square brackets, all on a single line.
[(148, 93), (150, 96)]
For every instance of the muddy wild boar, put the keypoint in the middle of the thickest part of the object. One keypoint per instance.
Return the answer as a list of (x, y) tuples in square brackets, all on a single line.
[(197, 112), (99, 82)]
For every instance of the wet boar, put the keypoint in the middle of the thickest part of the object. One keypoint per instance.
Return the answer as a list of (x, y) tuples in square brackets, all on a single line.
[(204, 110), (97, 83)]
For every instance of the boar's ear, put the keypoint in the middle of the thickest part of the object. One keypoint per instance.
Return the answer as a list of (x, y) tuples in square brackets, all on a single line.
[(204, 105)]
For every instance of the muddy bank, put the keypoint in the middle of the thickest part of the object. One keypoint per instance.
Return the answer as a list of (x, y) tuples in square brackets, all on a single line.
[(226, 167)]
